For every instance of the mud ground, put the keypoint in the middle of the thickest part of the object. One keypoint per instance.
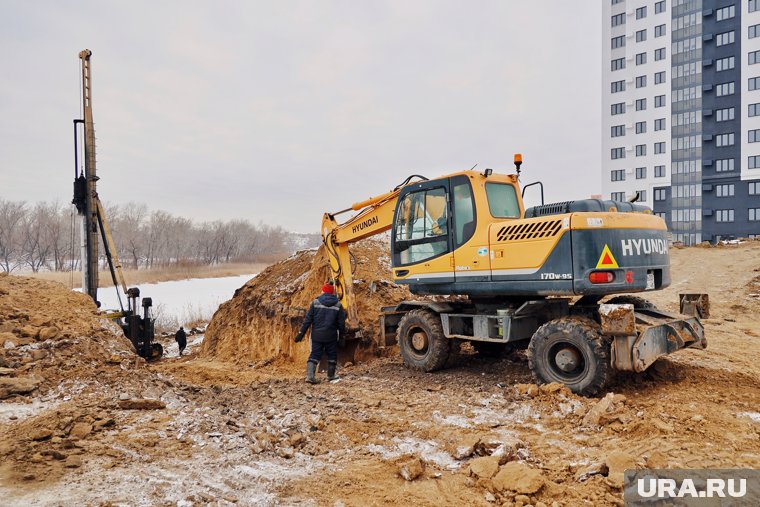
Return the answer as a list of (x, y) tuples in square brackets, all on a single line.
[(478, 433)]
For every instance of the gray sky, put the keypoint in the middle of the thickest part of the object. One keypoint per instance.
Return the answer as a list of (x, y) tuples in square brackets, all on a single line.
[(279, 111)]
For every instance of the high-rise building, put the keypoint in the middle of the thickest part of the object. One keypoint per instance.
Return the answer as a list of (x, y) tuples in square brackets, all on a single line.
[(681, 113)]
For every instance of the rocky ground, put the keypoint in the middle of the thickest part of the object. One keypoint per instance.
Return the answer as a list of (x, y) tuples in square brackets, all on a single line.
[(82, 421)]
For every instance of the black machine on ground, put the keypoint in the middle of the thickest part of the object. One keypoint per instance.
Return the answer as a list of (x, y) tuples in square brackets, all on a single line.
[(138, 328)]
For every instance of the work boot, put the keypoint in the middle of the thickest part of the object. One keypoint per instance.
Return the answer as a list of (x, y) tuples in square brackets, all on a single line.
[(311, 370), (331, 371)]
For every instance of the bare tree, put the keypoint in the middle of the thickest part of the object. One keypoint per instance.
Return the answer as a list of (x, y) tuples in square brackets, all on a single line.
[(37, 243), (12, 213)]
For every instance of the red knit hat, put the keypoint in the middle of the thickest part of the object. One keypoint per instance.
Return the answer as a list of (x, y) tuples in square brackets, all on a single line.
[(328, 288)]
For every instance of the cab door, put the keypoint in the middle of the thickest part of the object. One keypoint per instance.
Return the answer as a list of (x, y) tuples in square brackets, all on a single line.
[(420, 239), (471, 254)]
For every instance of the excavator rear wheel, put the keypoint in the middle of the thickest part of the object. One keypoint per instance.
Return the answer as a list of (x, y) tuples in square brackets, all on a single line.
[(571, 350), (421, 342)]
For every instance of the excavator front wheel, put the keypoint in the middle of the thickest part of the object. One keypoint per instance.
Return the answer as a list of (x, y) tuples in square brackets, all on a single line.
[(571, 351), (421, 342)]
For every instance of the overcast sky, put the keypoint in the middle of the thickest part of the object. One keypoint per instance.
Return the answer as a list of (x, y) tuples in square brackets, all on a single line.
[(280, 111)]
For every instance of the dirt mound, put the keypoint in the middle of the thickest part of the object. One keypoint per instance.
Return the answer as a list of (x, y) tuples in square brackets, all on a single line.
[(260, 321), (49, 334)]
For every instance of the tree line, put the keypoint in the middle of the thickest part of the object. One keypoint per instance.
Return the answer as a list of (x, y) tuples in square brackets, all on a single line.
[(46, 236)]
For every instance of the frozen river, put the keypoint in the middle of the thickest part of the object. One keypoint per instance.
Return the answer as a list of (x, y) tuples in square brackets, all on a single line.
[(183, 301)]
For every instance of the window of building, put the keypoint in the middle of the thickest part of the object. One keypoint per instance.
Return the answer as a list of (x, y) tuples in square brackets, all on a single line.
[(659, 148), (754, 109), (754, 57), (617, 175), (641, 59), (659, 7), (641, 127), (617, 64), (617, 86), (725, 140), (659, 171), (725, 63), (641, 173), (754, 83), (724, 38), (754, 188), (641, 12), (616, 153), (616, 2), (659, 54), (754, 31), (722, 14), (753, 5), (753, 162), (659, 77), (641, 150), (617, 196), (754, 136), (618, 19), (724, 190), (724, 89), (659, 101), (642, 195), (617, 131), (725, 114), (659, 30), (618, 108), (660, 194), (659, 124), (618, 42), (724, 215), (641, 81), (641, 104), (754, 214), (724, 165), (641, 35)]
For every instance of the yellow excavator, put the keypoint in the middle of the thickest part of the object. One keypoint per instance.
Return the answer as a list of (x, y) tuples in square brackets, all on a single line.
[(533, 276)]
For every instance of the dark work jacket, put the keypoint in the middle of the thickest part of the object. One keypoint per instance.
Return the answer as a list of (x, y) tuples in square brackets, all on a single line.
[(326, 317), (180, 336)]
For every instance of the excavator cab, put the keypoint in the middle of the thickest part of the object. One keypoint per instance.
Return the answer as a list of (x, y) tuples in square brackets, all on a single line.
[(440, 227)]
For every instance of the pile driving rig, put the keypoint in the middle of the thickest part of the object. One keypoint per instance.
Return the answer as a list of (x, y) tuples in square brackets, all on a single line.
[(138, 328)]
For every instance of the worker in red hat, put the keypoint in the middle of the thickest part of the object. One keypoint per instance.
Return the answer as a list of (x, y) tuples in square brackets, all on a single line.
[(327, 320)]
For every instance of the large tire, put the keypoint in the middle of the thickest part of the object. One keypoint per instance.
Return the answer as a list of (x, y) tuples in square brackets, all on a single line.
[(571, 351), (637, 302), (492, 349), (421, 341)]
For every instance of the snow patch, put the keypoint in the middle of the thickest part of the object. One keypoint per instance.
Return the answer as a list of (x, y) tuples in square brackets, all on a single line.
[(427, 450)]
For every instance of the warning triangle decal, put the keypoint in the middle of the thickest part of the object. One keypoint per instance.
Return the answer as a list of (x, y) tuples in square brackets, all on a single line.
[(607, 260)]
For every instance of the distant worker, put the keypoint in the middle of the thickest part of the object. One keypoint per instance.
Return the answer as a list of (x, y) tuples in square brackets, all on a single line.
[(181, 338), (327, 320)]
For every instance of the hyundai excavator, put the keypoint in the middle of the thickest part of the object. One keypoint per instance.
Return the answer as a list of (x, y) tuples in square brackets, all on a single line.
[(535, 276), (138, 328)]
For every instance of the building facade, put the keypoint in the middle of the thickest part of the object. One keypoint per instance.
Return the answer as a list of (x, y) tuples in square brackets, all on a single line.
[(681, 113)]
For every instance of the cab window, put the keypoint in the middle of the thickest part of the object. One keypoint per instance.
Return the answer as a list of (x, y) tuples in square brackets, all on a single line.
[(502, 200), (464, 212), (421, 228)]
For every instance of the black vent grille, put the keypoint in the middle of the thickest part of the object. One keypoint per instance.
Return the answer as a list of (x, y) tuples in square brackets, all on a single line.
[(534, 230), (551, 209)]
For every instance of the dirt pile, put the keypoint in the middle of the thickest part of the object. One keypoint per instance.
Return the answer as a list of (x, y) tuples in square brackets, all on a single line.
[(260, 321), (49, 334)]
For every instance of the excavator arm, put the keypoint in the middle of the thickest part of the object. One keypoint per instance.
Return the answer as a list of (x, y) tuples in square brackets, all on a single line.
[(375, 217)]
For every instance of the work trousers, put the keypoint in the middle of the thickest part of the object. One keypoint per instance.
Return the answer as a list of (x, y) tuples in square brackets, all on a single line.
[(318, 348)]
